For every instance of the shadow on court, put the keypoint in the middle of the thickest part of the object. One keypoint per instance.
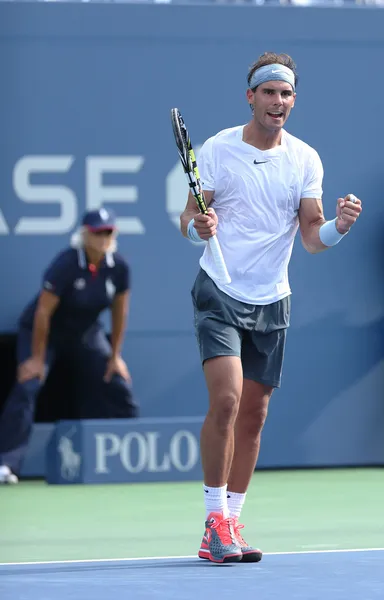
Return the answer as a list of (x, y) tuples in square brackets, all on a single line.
[(339, 575), (134, 565)]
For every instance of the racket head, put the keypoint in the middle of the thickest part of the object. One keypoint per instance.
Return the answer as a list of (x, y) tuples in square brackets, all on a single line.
[(187, 157), (182, 139)]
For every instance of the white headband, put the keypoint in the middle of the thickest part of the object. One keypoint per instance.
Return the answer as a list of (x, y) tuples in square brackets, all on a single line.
[(273, 72)]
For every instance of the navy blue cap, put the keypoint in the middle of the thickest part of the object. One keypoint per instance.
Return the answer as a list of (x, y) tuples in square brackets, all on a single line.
[(97, 220)]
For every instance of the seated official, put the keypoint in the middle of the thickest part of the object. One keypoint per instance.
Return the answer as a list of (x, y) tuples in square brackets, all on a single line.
[(62, 322)]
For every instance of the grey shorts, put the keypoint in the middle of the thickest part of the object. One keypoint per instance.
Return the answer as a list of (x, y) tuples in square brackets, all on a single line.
[(227, 327)]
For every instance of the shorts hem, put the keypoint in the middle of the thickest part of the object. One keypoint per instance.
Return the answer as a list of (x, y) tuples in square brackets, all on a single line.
[(274, 383), (218, 354)]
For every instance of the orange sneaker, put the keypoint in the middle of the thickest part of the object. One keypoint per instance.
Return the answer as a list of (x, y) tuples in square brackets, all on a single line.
[(219, 542), (250, 554)]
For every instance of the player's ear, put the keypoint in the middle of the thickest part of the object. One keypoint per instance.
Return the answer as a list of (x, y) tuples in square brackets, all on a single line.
[(250, 98)]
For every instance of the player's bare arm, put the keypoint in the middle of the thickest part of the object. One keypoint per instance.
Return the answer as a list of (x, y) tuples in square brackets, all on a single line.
[(205, 225), (311, 219)]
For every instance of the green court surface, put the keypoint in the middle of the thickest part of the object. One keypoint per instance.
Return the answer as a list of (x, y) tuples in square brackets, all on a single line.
[(284, 511)]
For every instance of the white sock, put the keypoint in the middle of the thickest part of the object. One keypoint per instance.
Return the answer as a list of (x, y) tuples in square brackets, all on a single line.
[(235, 503), (215, 499)]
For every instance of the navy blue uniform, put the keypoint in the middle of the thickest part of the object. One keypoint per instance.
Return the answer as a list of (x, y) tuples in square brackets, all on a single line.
[(76, 335)]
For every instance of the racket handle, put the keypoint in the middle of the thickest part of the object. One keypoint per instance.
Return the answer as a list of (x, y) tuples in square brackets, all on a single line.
[(218, 257)]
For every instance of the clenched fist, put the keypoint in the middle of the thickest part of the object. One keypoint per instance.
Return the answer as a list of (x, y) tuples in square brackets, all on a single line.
[(348, 210), (206, 225)]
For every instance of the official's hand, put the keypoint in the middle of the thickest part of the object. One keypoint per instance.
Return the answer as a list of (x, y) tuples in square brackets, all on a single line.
[(347, 213), (206, 225), (30, 369), (118, 366)]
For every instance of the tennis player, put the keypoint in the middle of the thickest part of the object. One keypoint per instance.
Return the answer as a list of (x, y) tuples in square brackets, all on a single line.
[(62, 321), (262, 184)]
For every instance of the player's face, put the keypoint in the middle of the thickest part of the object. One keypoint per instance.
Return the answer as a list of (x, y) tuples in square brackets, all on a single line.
[(272, 102), (100, 241)]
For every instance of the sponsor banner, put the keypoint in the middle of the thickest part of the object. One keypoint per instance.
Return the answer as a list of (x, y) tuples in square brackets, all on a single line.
[(124, 451)]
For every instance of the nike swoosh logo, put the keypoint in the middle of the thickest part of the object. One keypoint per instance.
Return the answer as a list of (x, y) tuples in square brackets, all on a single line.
[(277, 71), (261, 162)]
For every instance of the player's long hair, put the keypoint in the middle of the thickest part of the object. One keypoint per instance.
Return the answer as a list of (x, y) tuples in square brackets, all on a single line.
[(78, 240)]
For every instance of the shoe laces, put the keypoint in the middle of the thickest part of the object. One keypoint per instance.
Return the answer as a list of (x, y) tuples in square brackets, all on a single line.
[(225, 530), (237, 526)]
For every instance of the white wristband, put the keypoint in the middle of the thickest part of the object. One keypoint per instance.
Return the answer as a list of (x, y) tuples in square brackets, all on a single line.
[(329, 235), (192, 233)]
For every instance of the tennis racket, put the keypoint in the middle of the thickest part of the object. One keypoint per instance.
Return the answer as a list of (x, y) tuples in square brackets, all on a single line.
[(188, 160)]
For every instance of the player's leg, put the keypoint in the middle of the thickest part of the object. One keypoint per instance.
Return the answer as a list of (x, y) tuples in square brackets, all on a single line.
[(249, 424), (220, 348), (262, 359), (16, 420), (224, 377), (224, 382), (248, 427)]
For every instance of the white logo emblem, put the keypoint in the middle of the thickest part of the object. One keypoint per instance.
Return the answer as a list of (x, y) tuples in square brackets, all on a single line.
[(103, 214), (70, 460), (110, 288), (277, 71), (79, 284)]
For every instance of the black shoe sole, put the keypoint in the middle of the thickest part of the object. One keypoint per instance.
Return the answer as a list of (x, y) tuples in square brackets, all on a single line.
[(252, 557)]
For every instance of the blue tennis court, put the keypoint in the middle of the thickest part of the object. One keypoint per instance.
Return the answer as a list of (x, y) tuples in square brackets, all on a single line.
[(331, 575)]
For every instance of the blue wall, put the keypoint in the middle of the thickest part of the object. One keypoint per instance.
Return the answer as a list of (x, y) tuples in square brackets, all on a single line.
[(90, 87)]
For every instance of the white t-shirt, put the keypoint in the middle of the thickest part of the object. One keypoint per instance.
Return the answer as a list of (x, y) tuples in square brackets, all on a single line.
[(257, 207)]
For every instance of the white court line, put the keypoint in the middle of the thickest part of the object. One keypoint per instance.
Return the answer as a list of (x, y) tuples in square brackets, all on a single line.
[(145, 558)]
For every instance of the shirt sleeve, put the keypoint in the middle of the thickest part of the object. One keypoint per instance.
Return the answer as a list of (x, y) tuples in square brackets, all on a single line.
[(206, 166), (313, 177), (124, 279), (57, 276)]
